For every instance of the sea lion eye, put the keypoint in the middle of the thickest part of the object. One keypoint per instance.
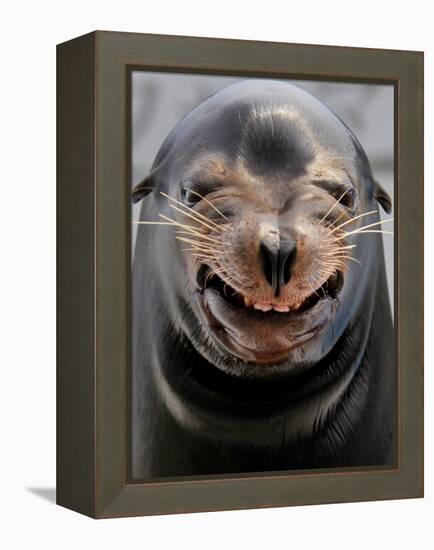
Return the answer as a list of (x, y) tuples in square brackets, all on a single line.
[(344, 193), (189, 197), (349, 198)]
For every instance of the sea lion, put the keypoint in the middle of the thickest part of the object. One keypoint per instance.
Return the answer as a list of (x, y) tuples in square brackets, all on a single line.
[(262, 331)]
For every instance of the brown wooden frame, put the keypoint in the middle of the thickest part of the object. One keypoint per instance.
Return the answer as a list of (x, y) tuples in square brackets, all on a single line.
[(94, 272)]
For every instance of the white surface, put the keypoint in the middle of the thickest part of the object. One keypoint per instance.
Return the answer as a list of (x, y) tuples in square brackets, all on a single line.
[(29, 32)]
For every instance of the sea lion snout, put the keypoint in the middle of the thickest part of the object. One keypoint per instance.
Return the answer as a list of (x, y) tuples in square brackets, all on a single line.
[(273, 260)]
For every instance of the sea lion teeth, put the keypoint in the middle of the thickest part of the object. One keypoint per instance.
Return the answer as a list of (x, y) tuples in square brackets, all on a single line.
[(247, 301), (282, 309), (263, 307)]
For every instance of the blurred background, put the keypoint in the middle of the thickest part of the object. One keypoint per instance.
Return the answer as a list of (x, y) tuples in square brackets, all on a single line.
[(160, 100)]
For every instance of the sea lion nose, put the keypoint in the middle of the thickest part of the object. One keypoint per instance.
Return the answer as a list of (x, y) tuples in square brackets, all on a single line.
[(277, 260)]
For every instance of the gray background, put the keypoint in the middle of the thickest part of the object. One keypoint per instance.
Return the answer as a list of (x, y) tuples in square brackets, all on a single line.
[(160, 100)]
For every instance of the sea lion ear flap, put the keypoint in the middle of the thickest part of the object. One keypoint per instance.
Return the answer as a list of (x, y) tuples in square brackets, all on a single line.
[(143, 188), (382, 197)]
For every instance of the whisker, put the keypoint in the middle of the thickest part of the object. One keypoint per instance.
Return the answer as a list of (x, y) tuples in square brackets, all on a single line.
[(193, 212), (193, 242), (338, 158), (206, 257), (374, 231), (332, 266), (202, 258), (332, 224), (336, 259), (353, 219), (217, 270), (196, 248), (200, 236), (188, 228), (339, 261), (332, 260), (338, 249), (209, 276), (238, 278), (154, 223), (337, 219), (331, 245), (372, 224), (363, 228), (199, 250), (171, 221), (198, 220), (197, 244), (352, 259), (237, 285), (343, 257), (316, 281), (229, 280), (212, 206), (334, 205), (312, 289)]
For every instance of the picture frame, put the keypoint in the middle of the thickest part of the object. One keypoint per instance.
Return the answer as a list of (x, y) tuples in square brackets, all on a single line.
[(94, 258)]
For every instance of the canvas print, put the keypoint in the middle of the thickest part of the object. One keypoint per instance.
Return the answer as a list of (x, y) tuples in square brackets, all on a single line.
[(262, 275)]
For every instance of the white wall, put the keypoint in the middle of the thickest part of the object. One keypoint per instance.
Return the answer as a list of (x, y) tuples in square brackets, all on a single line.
[(30, 31)]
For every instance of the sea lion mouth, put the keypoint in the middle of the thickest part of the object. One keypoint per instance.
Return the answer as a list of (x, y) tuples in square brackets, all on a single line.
[(208, 280), (264, 333)]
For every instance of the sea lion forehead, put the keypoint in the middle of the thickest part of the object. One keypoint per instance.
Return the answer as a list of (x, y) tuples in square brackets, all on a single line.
[(257, 119), (265, 99)]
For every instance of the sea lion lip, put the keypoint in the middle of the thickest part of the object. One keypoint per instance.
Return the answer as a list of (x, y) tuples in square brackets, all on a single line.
[(269, 357), (245, 334)]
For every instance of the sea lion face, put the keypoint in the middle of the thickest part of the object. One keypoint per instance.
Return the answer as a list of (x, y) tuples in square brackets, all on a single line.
[(266, 188)]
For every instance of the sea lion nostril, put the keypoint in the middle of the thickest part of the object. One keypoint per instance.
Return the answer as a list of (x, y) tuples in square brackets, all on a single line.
[(287, 253), (268, 258), (277, 263)]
